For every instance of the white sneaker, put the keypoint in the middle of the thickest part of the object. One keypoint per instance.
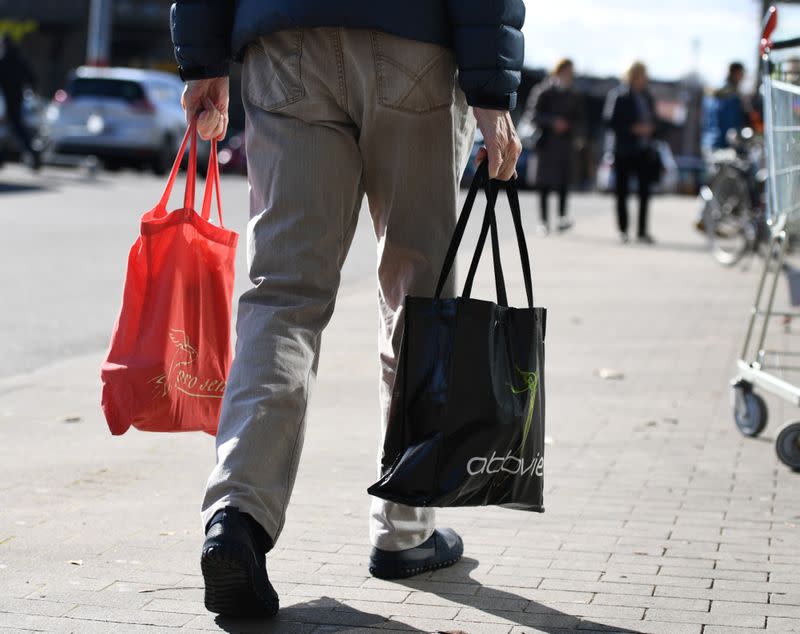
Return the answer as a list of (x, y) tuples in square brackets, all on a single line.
[(565, 223), (542, 230)]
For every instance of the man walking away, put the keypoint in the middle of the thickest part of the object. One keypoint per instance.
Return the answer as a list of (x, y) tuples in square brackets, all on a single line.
[(342, 100), (15, 76)]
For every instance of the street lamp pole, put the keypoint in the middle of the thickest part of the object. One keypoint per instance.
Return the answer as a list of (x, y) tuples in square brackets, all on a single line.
[(98, 44)]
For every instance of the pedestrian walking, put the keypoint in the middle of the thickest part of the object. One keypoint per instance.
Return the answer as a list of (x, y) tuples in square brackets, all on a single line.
[(630, 114), (342, 100), (15, 76), (557, 113), (725, 110)]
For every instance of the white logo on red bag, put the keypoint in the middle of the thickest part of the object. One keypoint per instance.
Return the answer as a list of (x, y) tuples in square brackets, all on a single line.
[(180, 377)]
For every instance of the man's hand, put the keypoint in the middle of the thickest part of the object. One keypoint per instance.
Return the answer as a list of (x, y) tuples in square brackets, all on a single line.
[(560, 125), (643, 129), (208, 98), (501, 143)]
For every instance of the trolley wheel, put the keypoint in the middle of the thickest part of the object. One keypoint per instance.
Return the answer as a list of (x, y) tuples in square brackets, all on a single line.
[(749, 410), (787, 445)]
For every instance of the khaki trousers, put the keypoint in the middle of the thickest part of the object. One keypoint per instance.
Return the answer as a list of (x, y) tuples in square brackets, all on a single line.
[(332, 114)]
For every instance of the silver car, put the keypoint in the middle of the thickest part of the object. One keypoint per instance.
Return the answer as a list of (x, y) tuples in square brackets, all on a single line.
[(123, 116)]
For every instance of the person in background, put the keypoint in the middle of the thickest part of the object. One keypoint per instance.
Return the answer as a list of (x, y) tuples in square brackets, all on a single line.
[(725, 110), (15, 76), (556, 110), (630, 114)]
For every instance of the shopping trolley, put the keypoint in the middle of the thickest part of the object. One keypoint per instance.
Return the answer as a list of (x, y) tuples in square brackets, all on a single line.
[(760, 367)]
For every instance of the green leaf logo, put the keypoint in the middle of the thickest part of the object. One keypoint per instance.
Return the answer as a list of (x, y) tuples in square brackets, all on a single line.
[(531, 380)]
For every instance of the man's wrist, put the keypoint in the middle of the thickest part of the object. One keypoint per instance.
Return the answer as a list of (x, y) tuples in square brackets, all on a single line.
[(492, 102), (204, 72)]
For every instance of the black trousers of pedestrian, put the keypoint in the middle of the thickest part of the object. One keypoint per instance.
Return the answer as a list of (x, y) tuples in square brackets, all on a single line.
[(625, 167), (544, 194), (15, 119)]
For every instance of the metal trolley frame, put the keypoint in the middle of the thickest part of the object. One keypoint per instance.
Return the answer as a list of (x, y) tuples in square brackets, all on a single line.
[(782, 136)]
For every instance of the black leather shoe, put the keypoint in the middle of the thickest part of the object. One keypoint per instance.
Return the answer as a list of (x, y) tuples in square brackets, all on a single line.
[(442, 549), (234, 566)]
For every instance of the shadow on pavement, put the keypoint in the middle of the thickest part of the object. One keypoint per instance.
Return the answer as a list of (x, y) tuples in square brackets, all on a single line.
[(323, 615), (507, 605), (20, 188), (330, 615)]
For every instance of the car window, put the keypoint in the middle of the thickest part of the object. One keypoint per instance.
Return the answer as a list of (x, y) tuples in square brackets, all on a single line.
[(164, 92), (129, 91)]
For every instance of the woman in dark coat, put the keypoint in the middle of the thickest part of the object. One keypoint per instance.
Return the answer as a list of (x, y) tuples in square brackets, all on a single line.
[(15, 75), (630, 114), (557, 112)]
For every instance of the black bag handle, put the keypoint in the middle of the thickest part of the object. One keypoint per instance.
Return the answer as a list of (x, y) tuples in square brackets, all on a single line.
[(481, 178), (516, 214), (489, 224)]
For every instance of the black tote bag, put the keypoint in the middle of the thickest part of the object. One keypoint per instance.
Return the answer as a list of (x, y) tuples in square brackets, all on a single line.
[(466, 422)]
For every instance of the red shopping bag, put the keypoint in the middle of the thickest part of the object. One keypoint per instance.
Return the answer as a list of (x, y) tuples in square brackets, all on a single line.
[(170, 349)]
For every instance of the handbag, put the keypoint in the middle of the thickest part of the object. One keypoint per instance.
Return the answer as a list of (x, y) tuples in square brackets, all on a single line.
[(466, 421), (170, 349), (653, 165)]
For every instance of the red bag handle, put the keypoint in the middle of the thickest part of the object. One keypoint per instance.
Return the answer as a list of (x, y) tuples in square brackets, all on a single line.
[(212, 182), (191, 172)]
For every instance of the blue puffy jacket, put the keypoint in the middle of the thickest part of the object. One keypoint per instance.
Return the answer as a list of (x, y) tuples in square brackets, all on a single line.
[(485, 34), (722, 112)]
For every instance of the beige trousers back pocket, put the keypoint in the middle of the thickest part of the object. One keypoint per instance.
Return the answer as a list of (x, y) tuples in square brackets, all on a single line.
[(271, 74), (413, 76)]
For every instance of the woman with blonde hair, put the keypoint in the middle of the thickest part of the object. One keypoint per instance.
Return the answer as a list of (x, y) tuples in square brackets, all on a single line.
[(556, 110), (630, 114)]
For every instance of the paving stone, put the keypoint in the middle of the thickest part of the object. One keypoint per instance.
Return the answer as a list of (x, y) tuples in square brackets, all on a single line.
[(643, 627), (34, 607), (777, 624), (659, 579), (714, 594), (599, 586), (725, 629), (538, 595), (785, 598), (769, 610), (137, 617), (710, 618), (669, 603)]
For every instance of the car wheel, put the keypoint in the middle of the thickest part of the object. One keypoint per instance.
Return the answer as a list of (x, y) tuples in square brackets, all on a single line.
[(164, 157)]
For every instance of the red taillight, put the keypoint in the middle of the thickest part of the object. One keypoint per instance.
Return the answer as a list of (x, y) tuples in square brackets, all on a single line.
[(61, 96), (143, 106)]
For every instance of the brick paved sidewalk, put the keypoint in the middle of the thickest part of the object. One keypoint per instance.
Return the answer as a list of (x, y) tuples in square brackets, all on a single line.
[(660, 516)]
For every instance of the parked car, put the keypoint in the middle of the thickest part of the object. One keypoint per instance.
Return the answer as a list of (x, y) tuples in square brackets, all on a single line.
[(232, 155), (123, 116), (32, 113), (606, 175)]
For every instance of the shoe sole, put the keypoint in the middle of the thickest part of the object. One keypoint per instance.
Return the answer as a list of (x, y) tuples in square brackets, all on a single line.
[(405, 573), (232, 584)]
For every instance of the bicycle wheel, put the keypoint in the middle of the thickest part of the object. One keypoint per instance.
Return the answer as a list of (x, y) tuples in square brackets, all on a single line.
[(727, 216)]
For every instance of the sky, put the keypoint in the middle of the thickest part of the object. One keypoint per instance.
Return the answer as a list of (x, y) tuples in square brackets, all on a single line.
[(673, 37)]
